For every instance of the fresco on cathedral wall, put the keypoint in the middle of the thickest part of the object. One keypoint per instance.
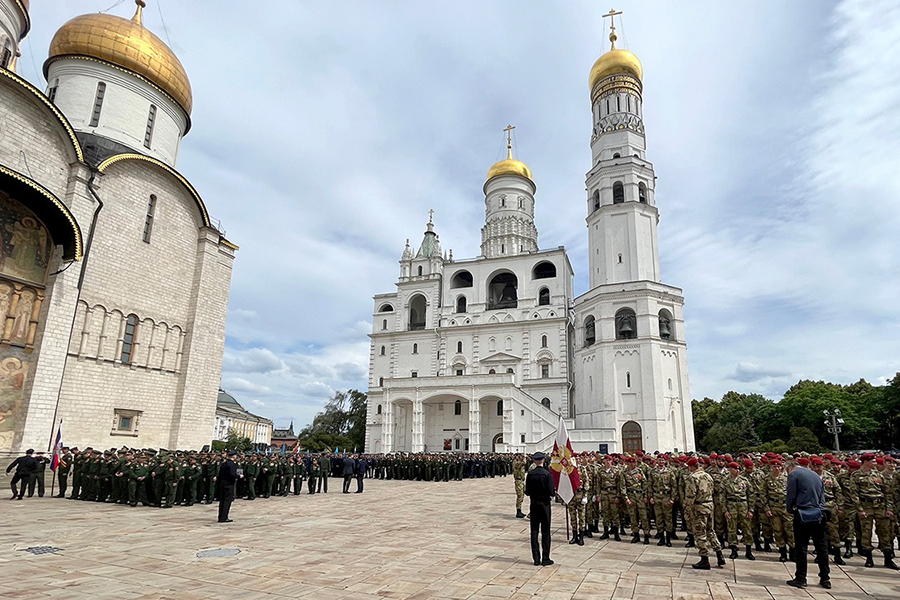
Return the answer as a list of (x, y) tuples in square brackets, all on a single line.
[(14, 366), (25, 244)]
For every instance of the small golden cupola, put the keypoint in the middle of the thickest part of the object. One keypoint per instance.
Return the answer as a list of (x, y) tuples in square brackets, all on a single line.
[(509, 165), (616, 62)]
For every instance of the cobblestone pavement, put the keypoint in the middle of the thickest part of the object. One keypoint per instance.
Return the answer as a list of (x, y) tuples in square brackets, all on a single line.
[(398, 540)]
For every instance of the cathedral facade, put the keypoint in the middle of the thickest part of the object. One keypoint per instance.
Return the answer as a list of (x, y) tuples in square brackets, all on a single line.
[(486, 354), (114, 279)]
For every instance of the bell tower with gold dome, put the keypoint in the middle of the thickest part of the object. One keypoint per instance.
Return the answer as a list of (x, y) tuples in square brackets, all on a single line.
[(14, 25), (121, 87)]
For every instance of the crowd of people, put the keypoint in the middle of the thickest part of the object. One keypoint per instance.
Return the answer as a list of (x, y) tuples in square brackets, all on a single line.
[(162, 478), (745, 500)]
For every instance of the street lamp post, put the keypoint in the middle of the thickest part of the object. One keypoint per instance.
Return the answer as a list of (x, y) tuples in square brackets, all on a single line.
[(834, 422)]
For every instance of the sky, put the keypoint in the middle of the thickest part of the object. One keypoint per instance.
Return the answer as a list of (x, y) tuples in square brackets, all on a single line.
[(323, 132)]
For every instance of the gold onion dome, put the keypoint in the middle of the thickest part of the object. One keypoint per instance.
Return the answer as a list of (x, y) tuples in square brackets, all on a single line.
[(616, 62), (509, 166), (125, 43)]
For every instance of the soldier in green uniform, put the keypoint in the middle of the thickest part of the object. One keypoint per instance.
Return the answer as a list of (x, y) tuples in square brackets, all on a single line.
[(313, 475), (739, 497), (662, 497), (104, 473), (872, 497), (833, 501), (847, 511), (158, 479), (698, 498), (62, 471), (192, 475), (170, 478), (610, 486), (759, 522), (637, 499), (774, 498), (519, 480), (324, 472), (299, 474), (251, 471), (78, 464), (576, 513)]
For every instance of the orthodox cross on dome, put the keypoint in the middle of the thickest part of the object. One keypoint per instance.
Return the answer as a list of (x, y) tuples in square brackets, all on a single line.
[(508, 129), (431, 217), (612, 26)]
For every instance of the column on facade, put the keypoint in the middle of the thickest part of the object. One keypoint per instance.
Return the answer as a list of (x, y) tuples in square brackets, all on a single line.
[(387, 425), (418, 435), (474, 423), (508, 426)]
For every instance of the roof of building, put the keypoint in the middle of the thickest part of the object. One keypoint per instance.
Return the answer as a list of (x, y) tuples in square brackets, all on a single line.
[(227, 405), (284, 434)]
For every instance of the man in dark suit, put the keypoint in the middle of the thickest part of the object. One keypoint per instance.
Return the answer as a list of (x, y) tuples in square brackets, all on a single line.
[(348, 469), (361, 467), (540, 489), (805, 500), (25, 466), (228, 476)]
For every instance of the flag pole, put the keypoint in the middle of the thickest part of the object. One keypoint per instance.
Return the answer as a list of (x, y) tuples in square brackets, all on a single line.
[(567, 522)]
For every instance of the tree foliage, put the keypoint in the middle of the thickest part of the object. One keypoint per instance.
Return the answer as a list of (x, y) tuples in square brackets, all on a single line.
[(233, 441), (340, 424), (742, 422)]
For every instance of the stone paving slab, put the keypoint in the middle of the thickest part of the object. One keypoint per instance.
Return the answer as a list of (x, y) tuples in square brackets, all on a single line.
[(400, 540)]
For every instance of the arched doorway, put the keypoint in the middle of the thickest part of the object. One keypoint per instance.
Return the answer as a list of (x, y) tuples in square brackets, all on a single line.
[(498, 439), (632, 437)]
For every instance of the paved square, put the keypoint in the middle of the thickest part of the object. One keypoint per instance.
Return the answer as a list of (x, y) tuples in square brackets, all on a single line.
[(400, 539)]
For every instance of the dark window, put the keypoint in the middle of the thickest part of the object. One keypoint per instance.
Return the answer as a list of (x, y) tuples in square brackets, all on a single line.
[(590, 331), (545, 371), (128, 340), (618, 192), (596, 199), (383, 324), (617, 155), (545, 402), (414, 374), (457, 410), (151, 121), (642, 193), (386, 308), (457, 444), (124, 423), (626, 324), (420, 270), (628, 380), (459, 347), (544, 270), (459, 371), (417, 313), (382, 350), (462, 279), (51, 93), (665, 325), (502, 292), (522, 438), (510, 371), (379, 409), (544, 297), (461, 304), (381, 382), (7, 55), (148, 222), (499, 408), (415, 348), (543, 341), (98, 104), (492, 372)]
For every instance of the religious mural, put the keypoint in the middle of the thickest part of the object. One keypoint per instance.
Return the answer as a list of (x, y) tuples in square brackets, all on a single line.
[(13, 372), (25, 245)]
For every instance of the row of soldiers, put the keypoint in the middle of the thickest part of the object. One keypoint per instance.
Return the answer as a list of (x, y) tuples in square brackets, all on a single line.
[(745, 499), (169, 478)]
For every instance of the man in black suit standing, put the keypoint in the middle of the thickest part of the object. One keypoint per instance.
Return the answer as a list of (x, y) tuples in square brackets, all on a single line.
[(228, 476), (540, 489), (348, 469), (25, 466), (361, 467)]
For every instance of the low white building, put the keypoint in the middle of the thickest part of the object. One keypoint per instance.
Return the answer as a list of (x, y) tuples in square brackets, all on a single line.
[(485, 354)]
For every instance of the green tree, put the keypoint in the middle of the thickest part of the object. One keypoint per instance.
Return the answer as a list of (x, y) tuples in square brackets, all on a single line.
[(233, 441), (803, 440), (340, 424), (706, 413)]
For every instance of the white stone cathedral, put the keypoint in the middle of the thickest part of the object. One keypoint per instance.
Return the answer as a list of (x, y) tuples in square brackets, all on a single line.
[(114, 280), (485, 354)]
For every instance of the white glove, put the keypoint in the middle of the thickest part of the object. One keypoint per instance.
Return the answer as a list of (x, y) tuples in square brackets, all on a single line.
[(584, 500), (593, 498)]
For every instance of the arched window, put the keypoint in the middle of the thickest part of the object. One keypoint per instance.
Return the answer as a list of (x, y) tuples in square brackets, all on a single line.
[(7, 55), (544, 297), (628, 379), (618, 193), (509, 343), (384, 324), (545, 402), (417, 313), (459, 347), (543, 341), (461, 279), (499, 408), (544, 270), (596, 199), (492, 372), (386, 308), (510, 371), (590, 331), (666, 329), (642, 193), (492, 344), (461, 304), (457, 407), (626, 324), (381, 382), (415, 348), (128, 339), (382, 350), (502, 291), (420, 270), (378, 410), (616, 154), (502, 201)]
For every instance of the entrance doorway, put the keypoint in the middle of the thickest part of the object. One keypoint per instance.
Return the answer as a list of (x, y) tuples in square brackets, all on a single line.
[(498, 439), (632, 437)]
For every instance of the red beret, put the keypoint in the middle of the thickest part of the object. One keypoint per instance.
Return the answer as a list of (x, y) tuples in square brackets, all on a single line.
[(803, 461), (733, 465), (889, 459), (828, 456), (714, 455), (727, 457), (748, 463), (835, 461), (764, 460), (707, 460), (867, 456), (777, 462), (817, 460), (879, 460), (854, 464), (692, 461)]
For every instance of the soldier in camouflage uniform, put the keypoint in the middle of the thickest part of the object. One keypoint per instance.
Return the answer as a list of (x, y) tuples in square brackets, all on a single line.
[(519, 479), (832, 490), (739, 497), (576, 512), (662, 496), (774, 499), (875, 505), (609, 489), (698, 499), (760, 520), (637, 498)]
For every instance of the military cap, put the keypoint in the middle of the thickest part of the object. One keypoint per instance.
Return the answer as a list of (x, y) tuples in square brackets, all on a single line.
[(817, 460), (692, 462), (727, 457), (733, 465), (748, 463), (803, 461), (867, 456), (538, 456), (855, 464)]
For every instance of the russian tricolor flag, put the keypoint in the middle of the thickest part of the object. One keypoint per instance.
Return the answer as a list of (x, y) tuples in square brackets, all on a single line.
[(57, 449)]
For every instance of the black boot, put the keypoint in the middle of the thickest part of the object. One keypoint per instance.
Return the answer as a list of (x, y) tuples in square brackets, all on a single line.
[(758, 543), (720, 559), (690, 541), (659, 534), (734, 553), (520, 514), (669, 539), (605, 535), (673, 535), (869, 562), (662, 539), (837, 556), (848, 549), (574, 539), (615, 531), (889, 561), (646, 539), (702, 564), (595, 528), (766, 545), (783, 554), (580, 540), (635, 537), (587, 533), (749, 553)]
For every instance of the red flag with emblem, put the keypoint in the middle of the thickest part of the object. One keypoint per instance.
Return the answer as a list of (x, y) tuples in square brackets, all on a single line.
[(563, 465)]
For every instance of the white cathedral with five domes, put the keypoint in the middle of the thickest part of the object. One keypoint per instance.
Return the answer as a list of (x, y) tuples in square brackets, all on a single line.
[(486, 354)]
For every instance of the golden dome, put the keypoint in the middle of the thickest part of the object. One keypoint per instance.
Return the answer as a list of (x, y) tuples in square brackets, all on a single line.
[(127, 44), (616, 62), (509, 166)]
